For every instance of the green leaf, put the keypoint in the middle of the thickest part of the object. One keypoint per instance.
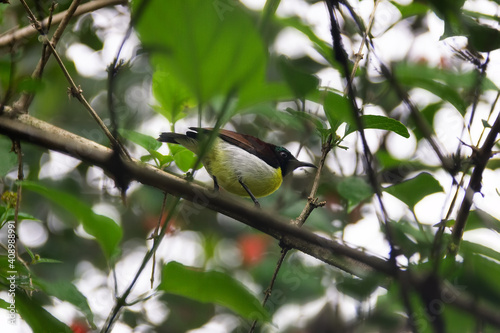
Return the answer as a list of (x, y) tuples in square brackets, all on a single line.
[(107, 233), (66, 291), (337, 110), (211, 49), (480, 219), (39, 319), (412, 9), (360, 289), (324, 48), (355, 190), (8, 159), (479, 276), (211, 287), (300, 82), (385, 123), (4, 304), (172, 96), (147, 142), (428, 113), (467, 247), (318, 123), (485, 123), (415, 189), (442, 83), (183, 157)]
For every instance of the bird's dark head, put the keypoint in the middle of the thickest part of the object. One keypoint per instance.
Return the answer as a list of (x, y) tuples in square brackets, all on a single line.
[(288, 162)]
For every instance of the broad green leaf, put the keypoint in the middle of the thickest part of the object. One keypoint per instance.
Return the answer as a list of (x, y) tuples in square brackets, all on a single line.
[(412, 9), (381, 122), (211, 50), (172, 96), (4, 304), (479, 277), (211, 287), (467, 247), (355, 190), (480, 37), (410, 239), (442, 83), (107, 233), (37, 317), (66, 291), (147, 142), (318, 123), (480, 219), (264, 92), (8, 159), (415, 189), (324, 48), (300, 82), (428, 114), (337, 110), (360, 289), (183, 157)]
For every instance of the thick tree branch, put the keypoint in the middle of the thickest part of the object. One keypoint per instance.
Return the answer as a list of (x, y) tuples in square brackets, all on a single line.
[(27, 128)]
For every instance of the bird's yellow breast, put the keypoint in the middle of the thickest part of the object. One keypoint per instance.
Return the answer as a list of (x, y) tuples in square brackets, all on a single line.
[(229, 163)]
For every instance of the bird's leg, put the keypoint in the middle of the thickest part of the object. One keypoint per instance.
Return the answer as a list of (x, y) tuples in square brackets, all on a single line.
[(216, 185), (255, 201)]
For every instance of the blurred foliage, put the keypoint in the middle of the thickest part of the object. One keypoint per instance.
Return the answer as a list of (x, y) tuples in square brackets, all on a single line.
[(207, 62)]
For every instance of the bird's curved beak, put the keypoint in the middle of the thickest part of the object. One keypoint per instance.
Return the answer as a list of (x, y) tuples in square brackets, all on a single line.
[(298, 164)]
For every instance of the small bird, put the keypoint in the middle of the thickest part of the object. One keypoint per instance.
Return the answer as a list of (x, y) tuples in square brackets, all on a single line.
[(240, 163)]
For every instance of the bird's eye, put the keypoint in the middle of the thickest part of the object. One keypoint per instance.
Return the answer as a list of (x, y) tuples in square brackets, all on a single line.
[(283, 154)]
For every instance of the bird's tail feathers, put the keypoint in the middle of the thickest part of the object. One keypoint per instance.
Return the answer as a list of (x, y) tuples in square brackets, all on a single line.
[(172, 137), (187, 140)]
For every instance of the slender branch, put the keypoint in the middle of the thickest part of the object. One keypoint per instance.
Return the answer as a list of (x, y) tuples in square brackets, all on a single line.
[(20, 177), (359, 54), (22, 104), (22, 33), (121, 301), (341, 56), (312, 203), (26, 98), (155, 235), (480, 158)]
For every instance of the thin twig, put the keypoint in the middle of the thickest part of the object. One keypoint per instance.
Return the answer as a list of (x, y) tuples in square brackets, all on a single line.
[(10, 87), (341, 56), (26, 98), (359, 54), (480, 159), (312, 203), (18, 34), (20, 178), (156, 235), (74, 90), (122, 300)]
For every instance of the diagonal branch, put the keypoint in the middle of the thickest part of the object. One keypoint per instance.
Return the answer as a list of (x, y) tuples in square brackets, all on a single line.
[(480, 157), (25, 100)]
